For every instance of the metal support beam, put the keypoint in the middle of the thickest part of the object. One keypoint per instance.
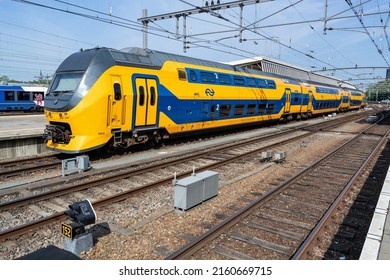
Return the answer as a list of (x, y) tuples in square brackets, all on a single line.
[(209, 8), (205, 9)]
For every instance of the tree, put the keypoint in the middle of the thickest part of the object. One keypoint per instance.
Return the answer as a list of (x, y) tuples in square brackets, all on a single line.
[(379, 91), (4, 79)]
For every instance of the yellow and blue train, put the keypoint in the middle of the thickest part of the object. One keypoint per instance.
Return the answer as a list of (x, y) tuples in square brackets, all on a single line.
[(117, 98)]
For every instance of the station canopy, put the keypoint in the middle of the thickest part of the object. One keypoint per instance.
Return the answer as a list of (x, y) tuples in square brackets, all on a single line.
[(280, 68)]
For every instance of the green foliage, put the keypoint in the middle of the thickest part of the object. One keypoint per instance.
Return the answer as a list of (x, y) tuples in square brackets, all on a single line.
[(379, 91)]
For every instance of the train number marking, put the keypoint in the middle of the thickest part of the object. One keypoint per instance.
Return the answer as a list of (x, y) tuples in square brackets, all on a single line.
[(209, 92)]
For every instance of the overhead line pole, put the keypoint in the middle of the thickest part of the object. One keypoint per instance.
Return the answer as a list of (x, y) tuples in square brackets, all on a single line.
[(197, 10)]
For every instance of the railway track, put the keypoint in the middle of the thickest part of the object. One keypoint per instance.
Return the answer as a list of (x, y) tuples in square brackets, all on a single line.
[(46, 209), (286, 222), (16, 168)]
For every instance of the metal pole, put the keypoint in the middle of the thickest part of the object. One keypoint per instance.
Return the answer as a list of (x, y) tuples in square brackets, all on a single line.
[(185, 33), (177, 27), (241, 18), (326, 15), (145, 29)]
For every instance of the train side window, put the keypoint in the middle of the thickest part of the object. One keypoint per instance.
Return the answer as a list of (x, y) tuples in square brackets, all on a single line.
[(182, 74), (22, 95), (271, 108), (141, 101), (117, 91), (208, 77), (239, 110), (224, 79), (9, 96), (271, 84), (251, 109), (239, 81), (262, 108), (251, 82), (193, 75), (224, 111), (212, 112), (152, 96), (261, 83)]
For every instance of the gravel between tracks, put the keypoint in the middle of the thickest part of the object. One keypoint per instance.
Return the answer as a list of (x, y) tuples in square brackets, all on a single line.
[(147, 227)]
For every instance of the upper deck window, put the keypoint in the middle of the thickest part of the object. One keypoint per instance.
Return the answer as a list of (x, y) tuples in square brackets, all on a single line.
[(224, 79), (66, 83), (193, 75), (207, 77), (239, 81), (251, 82)]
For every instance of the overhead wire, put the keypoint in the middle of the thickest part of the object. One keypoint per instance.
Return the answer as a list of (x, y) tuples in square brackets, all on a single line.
[(367, 32)]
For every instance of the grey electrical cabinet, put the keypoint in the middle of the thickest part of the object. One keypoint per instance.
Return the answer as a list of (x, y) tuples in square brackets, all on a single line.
[(188, 192), (195, 189), (210, 183)]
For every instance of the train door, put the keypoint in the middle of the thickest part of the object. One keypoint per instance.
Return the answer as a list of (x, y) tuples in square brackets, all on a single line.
[(310, 104), (146, 105), (116, 104), (288, 101)]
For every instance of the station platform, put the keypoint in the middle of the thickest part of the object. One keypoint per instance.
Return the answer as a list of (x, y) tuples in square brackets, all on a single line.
[(12, 127), (377, 243), (21, 136)]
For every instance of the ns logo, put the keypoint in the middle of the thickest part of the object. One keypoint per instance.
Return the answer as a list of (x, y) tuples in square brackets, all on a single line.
[(209, 92)]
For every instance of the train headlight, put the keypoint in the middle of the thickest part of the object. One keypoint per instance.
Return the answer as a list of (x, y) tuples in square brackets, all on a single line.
[(66, 115)]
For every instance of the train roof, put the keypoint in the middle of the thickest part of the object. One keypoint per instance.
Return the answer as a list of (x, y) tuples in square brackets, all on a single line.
[(103, 58)]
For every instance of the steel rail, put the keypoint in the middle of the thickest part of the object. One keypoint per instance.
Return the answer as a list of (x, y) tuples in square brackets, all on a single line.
[(198, 243)]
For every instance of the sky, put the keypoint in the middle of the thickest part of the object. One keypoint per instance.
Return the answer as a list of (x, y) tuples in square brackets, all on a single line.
[(37, 35)]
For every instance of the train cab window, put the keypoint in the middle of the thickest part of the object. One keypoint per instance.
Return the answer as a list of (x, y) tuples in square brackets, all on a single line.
[(224, 79), (251, 109), (9, 96), (193, 75), (262, 108), (152, 96), (224, 111), (239, 110), (239, 81), (117, 91), (141, 91), (182, 74)]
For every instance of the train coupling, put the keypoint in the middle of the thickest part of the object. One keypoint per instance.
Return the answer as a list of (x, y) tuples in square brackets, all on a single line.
[(57, 134)]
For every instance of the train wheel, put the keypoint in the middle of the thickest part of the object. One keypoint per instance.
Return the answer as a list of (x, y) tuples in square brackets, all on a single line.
[(156, 139)]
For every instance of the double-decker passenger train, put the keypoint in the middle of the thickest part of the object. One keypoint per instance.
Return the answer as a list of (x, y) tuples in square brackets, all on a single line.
[(117, 98), (22, 98)]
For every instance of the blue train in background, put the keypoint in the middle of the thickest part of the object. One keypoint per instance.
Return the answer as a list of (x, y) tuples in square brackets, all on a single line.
[(22, 98)]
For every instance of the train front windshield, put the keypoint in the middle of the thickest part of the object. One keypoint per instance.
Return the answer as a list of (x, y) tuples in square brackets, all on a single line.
[(66, 83)]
